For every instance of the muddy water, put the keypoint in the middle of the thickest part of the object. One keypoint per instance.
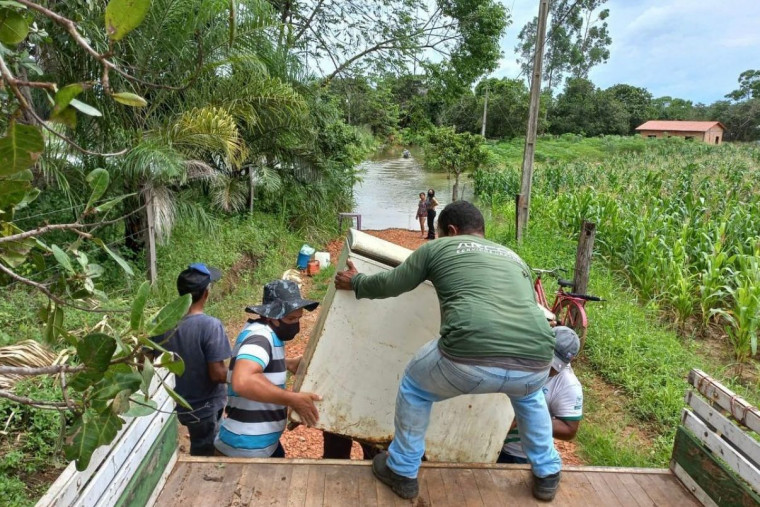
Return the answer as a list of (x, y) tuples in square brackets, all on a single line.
[(387, 196)]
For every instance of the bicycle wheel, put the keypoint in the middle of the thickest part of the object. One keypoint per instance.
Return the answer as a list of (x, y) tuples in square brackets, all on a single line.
[(571, 313)]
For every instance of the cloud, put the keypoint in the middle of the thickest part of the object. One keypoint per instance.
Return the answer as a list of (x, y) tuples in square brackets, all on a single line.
[(692, 49)]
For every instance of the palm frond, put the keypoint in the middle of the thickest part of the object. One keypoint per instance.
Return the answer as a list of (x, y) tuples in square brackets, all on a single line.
[(229, 194), (208, 131)]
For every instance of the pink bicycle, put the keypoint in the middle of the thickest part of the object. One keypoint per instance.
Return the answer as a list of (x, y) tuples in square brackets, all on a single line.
[(568, 307)]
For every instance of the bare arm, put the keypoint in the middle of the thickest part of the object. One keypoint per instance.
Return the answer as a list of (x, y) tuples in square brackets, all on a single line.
[(564, 430), (292, 364), (217, 372), (248, 381)]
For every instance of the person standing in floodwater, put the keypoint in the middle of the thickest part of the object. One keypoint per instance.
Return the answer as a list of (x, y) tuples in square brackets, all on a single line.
[(430, 205), (422, 213)]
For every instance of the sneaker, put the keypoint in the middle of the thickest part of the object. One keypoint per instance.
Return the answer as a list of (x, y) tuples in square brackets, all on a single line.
[(403, 486), (544, 488)]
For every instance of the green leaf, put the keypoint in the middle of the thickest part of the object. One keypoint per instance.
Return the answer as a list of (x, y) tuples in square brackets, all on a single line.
[(98, 180), (14, 253), (138, 306), (147, 342), (129, 99), (96, 350), (169, 315), (13, 27), (123, 16), (29, 198), (176, 397), (20, 148), (111, 385), (63, 259), (64, 96), (11, 3), (82, 438), (121, 262), (147, 377), (13, 193), (66, 117), (120, 402), (109, 205), (172, 362), (108, 425), (140, 410), (85, 108), (84, 379)]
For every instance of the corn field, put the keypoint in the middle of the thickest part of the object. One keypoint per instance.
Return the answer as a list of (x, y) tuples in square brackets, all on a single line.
[(680, 219)]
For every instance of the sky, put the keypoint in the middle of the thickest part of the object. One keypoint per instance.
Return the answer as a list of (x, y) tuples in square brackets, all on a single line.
[(690, 49)]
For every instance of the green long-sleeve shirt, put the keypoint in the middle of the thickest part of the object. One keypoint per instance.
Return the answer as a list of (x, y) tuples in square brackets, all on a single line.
[(488, 307)]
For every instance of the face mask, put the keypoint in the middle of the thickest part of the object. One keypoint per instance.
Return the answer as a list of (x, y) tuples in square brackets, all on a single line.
[(287, 332)]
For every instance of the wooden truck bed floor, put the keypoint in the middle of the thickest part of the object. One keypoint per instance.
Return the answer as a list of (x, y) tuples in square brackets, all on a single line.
[(221, 482)]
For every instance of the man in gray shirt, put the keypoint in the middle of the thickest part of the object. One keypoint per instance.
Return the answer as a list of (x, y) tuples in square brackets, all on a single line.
[(202, 344)]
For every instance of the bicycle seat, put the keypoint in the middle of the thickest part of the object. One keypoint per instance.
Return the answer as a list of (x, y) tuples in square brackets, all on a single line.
[(565, 283)]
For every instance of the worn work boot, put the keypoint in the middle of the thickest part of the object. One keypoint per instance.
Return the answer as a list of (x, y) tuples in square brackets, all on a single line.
[(544, 488), (403, 486)]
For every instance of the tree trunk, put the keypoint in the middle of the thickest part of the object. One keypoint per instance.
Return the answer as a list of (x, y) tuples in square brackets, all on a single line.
[(455, 190), (135, 225)]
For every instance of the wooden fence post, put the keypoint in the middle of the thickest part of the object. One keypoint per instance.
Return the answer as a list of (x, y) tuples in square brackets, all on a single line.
[(151, 233), (518, 200), (583, 257)]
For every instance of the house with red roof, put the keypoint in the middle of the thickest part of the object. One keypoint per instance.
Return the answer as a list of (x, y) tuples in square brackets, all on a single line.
[(707, 131)]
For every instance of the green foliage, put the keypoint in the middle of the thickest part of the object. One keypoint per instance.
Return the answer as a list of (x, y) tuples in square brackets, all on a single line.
[(457, 153), (14, 27), (123, 16), (683, 233)]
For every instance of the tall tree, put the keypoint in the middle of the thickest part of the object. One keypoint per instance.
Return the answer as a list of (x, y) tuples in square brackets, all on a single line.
[(749, 86), (344, 37), (577, 40), (637, 101), (583, 109), (454, 152)]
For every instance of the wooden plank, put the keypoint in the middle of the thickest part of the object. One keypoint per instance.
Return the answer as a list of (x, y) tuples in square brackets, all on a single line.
[(454, 493), (174, 484), (603, 492), (738, 463), (194, 484), (385, 495), (676, 493), (652, 490), (341, 486), (692, 486), (515, 485), (469, 488), (220, 484), (246, 486), (66, 489), (299, 477), (729, 431), (365, 482), (575, 489), (151, 468), (735, 405), (489, 492), (636, 491), (267, 489), (718, 481), (435, 487), (315, 487), (614, 484)]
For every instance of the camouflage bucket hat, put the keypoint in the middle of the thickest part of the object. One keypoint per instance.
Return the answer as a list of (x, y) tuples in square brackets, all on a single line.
[(281, 297)]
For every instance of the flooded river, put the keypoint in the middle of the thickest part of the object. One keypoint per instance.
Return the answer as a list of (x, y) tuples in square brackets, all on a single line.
[(387, 196)]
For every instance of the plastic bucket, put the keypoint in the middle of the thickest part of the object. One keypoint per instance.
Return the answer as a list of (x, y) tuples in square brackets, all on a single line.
[(304, 255)]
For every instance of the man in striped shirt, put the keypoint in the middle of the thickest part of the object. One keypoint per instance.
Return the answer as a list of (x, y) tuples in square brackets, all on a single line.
[(257, 399)]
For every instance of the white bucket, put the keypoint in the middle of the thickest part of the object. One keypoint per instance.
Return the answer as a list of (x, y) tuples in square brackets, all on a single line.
[(323, 258)]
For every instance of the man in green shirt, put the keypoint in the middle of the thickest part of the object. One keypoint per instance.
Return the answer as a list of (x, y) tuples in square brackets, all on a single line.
[(493, 339)]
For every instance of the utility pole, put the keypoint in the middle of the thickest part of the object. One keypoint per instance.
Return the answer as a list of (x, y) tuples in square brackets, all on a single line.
[(530, 138), (485, 113), (151, 217)]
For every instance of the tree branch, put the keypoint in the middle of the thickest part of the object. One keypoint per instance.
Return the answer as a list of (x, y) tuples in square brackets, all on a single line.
[(48, 405), (307, 25), (33, 371)]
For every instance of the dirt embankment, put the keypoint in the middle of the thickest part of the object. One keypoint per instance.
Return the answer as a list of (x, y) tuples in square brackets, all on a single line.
[(306, 442)]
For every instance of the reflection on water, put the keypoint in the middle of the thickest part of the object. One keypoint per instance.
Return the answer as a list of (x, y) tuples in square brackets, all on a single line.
[(387, 196)]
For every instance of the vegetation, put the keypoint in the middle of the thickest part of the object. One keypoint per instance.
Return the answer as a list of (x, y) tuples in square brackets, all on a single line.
[(684, 234), (454, 153), (632, 344)]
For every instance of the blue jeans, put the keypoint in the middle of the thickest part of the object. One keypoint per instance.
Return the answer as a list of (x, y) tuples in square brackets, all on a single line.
[(431, 377)]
